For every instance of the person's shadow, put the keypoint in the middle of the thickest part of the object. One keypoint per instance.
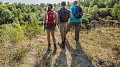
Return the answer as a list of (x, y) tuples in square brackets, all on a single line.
[(61, 60), (46, 59), (79, 57)]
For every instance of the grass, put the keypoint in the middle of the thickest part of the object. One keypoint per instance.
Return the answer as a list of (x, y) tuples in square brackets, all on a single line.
[(14, 56), (102, 45)]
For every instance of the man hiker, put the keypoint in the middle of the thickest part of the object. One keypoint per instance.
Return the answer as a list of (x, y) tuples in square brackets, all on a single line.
[(63, 17), (76, 13)]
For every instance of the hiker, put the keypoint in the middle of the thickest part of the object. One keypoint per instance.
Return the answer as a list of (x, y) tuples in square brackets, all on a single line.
[(76, 13), (50, 24), (63, 17)]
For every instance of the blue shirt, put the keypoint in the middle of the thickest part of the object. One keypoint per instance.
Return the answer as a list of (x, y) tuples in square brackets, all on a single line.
[(60, 12), (74, 19)]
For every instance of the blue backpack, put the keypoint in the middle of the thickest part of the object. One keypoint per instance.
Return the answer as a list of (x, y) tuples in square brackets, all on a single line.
[(79, 12), (64, 14)]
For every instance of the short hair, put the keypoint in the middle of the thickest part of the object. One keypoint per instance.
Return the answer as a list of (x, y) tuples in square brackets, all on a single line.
[(63, 3), (75, 2)]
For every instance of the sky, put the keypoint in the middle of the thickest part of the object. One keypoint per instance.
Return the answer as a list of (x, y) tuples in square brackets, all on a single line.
[(35, 1)]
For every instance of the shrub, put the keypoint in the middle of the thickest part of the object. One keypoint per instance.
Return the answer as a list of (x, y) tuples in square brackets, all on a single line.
[(116, 11), (11, 33)]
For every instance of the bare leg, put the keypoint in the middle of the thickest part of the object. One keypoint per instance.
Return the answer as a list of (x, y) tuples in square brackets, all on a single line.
[(62, 29), (68, 27), (61, 33), (48, 38), (53, 37), (65, 27), (54, 40)]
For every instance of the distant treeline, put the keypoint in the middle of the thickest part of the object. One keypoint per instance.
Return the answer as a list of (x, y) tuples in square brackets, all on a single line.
[(30, 13)]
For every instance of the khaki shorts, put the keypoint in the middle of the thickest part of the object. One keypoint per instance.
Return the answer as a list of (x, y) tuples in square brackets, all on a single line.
[(63, 26)]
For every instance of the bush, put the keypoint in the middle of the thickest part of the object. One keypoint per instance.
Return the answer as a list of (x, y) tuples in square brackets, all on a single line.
[(12, 33), (109, 18), (116, 11), (32, 30), (85, 20)]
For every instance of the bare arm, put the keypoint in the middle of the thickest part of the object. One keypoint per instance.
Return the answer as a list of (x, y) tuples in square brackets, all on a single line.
[(45, 18), (70, 16), (56, 15)]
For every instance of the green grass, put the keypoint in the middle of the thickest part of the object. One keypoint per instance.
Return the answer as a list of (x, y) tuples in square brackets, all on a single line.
[(14, 33)]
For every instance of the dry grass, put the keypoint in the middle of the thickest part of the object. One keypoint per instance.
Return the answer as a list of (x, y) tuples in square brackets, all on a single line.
[(100, 47)]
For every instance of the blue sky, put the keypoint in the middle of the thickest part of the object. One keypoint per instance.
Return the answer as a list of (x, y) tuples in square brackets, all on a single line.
[(35, 1)]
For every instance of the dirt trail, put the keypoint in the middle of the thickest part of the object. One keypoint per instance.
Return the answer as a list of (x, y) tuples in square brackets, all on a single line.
[(72, 56), (76, 54)]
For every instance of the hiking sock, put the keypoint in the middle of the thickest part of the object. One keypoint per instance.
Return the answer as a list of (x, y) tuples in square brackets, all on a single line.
[(64, 39), (63, 44), (55, 48)]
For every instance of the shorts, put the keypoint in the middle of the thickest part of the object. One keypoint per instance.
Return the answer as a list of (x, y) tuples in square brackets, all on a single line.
[(51, 28), (63, 26)]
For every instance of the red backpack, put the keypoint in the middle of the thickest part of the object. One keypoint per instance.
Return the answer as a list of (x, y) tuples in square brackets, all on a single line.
[(51, 18)]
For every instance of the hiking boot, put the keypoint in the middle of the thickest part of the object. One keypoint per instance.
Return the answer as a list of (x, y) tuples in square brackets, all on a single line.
[(64, 39), (49, 47), (55, 47), (76, 40)]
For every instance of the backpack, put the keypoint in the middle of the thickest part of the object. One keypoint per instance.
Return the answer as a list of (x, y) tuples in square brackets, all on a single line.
[(64, 14), (79, 12), (51, 18)]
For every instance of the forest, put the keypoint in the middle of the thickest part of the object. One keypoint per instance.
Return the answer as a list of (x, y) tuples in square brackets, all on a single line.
[(22, 23)]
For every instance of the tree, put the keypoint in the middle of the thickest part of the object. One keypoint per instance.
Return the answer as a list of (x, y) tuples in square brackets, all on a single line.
[(6, 17), (110, 3), (93, 11), (87, 3), (12, 7), (116, 11), (1, 2)]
